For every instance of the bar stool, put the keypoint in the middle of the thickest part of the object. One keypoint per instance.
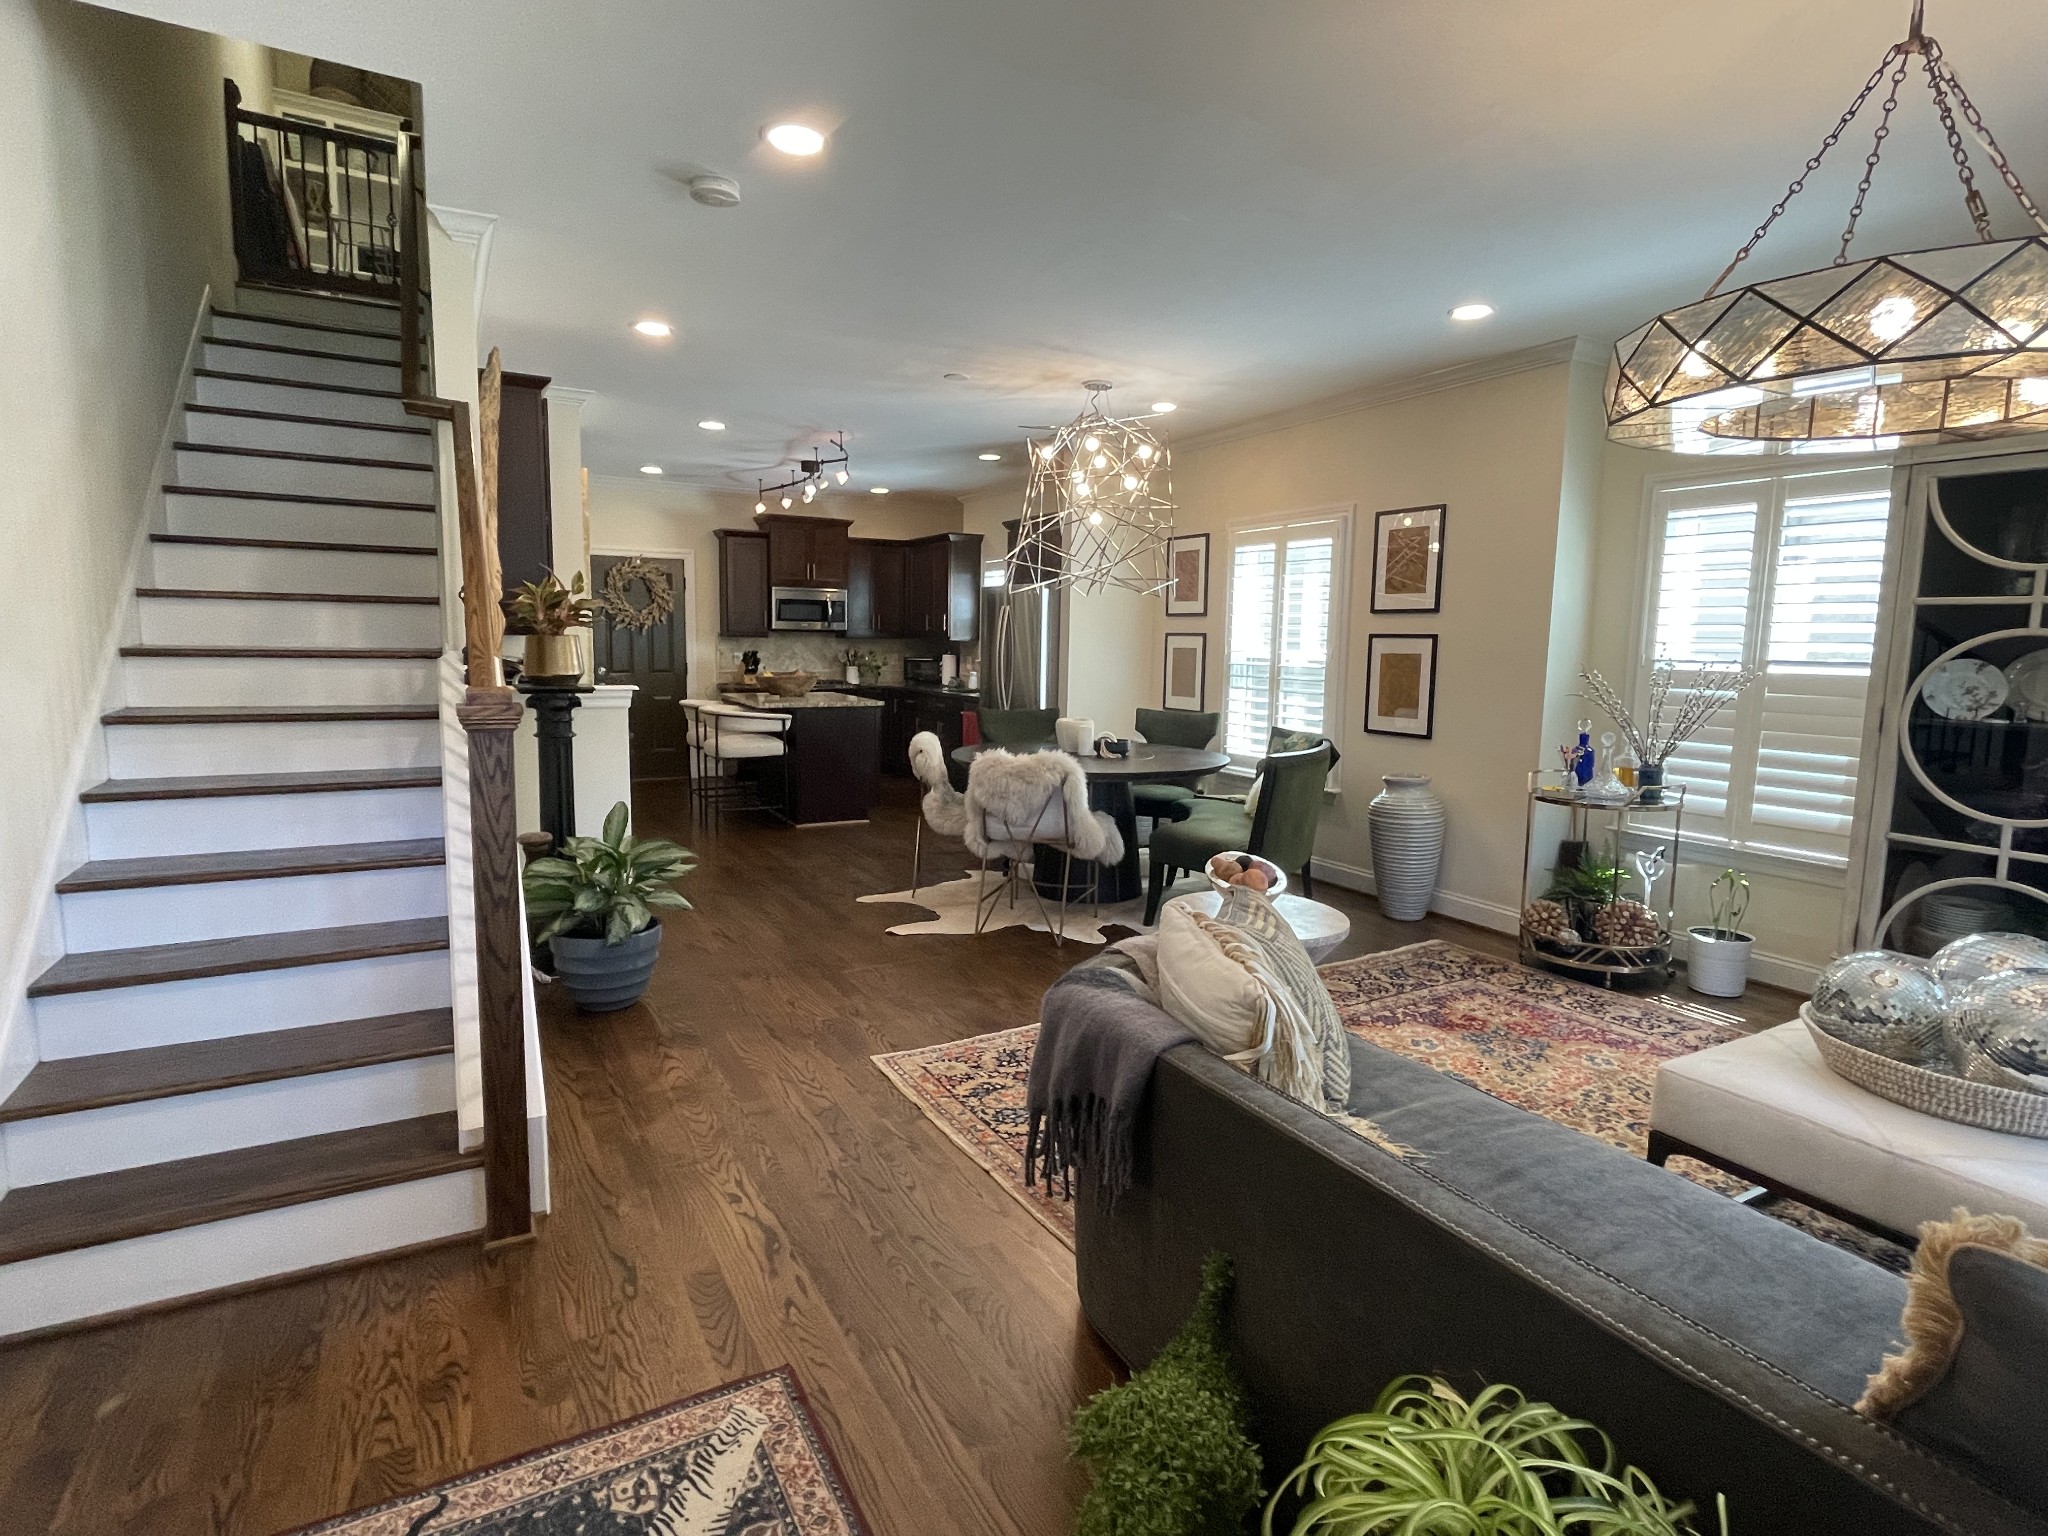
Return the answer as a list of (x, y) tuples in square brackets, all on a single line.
[(722, 738)]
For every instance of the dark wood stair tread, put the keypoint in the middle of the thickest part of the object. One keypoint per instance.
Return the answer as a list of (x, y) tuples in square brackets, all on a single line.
[(263, 714), (296, 456), (250, 864), (264, 378), (36, 1219), (237, 493), (231, 541), (96, 970), (211, 786), (246, 413), (288, 652), (285, 597), (300, 325), (199, 1066), (271, 346)]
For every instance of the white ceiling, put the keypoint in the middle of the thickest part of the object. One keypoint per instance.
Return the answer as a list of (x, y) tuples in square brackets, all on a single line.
[(1237, 206)]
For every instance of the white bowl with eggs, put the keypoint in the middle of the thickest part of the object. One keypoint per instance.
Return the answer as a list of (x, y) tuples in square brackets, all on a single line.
[(1231, 868)]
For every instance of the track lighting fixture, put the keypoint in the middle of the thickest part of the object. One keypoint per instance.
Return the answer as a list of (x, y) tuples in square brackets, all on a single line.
[(815, 474)]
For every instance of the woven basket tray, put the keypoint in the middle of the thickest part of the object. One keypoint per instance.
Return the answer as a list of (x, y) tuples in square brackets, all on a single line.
[(1992, 1108)]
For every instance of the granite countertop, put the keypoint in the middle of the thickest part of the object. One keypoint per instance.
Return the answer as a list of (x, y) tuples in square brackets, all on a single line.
[(775, 703), (938, 689)]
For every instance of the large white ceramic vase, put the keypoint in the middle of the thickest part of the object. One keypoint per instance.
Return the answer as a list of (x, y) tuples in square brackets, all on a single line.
[(1407, 824)]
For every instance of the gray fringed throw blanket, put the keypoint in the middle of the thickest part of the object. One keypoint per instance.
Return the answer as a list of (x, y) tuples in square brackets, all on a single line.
[(1098, 1035)]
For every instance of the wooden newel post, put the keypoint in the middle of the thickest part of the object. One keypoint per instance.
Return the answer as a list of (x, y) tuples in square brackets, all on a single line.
[(489, 716)]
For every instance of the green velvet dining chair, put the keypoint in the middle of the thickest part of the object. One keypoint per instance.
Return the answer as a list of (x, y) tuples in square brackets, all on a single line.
[(1017, 727), (1172, 728), (1281, 828)]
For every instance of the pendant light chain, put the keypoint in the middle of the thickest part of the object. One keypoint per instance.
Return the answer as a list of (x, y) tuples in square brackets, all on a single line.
[(1884, 130), (1975, 119), (1972, 198)]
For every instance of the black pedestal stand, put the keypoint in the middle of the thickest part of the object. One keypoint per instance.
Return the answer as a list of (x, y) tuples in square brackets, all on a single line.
[(552, 706)]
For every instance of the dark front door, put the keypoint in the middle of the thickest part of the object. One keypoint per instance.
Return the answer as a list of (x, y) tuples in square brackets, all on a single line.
[(652, 660)]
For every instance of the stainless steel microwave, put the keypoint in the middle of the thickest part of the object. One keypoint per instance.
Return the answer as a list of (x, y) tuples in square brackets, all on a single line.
[(807, 608)]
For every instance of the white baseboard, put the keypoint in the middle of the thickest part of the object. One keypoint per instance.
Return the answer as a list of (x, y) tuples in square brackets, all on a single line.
[(1772, 970)]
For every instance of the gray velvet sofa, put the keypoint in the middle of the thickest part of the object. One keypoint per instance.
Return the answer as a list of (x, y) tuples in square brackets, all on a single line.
[(1719, 1347)]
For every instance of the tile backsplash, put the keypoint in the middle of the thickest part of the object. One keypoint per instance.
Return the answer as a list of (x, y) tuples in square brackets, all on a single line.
[(823, 654)]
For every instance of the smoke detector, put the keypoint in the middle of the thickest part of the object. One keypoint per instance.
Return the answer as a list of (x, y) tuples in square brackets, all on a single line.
[(714, 191)]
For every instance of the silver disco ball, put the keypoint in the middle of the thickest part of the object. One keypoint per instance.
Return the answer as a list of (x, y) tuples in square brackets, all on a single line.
[(2002, 1019), (1986, 954), (1887, 1003)]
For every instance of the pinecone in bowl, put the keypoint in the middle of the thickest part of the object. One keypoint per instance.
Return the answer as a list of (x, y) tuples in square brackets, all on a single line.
[(1627, 925), (1549, 920)]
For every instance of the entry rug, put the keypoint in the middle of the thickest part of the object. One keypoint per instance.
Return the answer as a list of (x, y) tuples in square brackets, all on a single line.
[(1582, 1056), (740, 1460)]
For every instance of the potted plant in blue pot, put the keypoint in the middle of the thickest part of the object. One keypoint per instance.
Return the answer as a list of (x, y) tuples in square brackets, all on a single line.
[(594, 905)]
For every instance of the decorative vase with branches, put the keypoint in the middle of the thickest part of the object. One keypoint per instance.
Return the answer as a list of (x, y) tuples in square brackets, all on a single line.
[(1711, 690)]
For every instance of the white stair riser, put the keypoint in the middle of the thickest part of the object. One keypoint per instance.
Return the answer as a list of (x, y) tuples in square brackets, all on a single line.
[(152, 829), (78, 1145), (232, 568), (212, 1007), (307, 437), (299, 369), (238, 621), (306, 477), (233, 517), (227, 909), (280, 332), (336, 404), (259, 680), (298, 746), (319, 309), (113, 1277)]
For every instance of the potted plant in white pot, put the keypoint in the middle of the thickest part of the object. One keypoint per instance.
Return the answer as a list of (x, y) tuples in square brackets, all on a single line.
[(594, 905), (1717, 957)]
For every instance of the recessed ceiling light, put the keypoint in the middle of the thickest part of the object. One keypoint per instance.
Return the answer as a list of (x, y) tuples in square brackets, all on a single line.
[(655, 328), (712, 426), (795, 138), (1471, 311), (650, 469), (1161, 407), (989, 458), (878, 490)]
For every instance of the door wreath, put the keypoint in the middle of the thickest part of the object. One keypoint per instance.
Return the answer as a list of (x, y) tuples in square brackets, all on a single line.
[(617, 597)]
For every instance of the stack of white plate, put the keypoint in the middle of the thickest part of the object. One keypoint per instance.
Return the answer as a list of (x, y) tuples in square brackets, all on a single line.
[(1945, 916)]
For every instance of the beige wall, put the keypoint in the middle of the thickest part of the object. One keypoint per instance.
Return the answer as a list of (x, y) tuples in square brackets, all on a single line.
[(650, 517), (112, 169), (1494, 451)]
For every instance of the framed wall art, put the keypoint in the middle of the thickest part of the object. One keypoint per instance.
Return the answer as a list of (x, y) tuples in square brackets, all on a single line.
[(1187, 570), (1408, 560), (1187, 672), (1400, 685)]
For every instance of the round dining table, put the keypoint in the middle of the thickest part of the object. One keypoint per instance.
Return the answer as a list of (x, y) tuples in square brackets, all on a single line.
[(1109, 789)]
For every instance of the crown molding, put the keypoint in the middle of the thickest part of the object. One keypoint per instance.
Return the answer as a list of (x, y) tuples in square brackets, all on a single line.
[(467, 227), (1566, 349), (569, 394)]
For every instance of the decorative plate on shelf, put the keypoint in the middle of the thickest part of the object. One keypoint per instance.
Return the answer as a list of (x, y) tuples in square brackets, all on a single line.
[(2026, 682), (1965, 689)]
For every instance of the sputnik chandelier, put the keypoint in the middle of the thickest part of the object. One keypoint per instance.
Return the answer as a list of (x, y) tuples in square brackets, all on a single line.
[(1922, 346), (1099, 509), (813, 475)]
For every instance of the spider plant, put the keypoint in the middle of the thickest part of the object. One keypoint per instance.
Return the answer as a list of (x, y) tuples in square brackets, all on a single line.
[(608, 887), (1426, 1462), (546, 607)]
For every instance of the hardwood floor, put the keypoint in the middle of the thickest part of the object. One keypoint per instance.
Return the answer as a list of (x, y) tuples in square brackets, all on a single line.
[(735, 1187)]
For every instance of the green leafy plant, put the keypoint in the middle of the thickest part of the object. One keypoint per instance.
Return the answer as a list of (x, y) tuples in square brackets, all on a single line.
[(1425, 1462), (1585, 888), (546, 607), (1728, 903), (1168, 1448), (606, 887)]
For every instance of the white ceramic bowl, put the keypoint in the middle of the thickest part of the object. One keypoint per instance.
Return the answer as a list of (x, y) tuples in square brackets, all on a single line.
[(1276, 878)]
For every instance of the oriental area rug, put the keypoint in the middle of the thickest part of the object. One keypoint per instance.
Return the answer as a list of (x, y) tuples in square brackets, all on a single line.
[(741, 1458), (1580, 1055)]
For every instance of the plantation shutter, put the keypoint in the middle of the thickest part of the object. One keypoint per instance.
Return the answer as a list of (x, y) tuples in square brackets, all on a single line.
[(1703, 620), (1282, 603), (1823, 632)]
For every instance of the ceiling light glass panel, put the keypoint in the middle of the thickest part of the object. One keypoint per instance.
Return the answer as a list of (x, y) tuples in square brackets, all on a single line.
[(2015, 293), (1746, 334)]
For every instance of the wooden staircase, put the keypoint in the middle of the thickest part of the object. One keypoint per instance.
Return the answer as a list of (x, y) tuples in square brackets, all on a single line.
[(246, 1053)]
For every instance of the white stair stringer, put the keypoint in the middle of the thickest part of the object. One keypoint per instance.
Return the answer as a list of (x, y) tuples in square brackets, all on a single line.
[(108, 1278)]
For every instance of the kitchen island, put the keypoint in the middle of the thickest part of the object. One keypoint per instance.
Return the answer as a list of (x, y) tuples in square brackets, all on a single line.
[(834, 745)]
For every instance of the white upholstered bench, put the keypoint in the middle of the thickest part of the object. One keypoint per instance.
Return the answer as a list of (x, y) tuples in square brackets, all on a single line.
[(1767, 1109)]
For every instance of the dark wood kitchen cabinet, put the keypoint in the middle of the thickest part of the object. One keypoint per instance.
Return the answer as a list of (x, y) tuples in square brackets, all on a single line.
[(806, 551), (742, 582), (874, 589), (526, 540), (943, 588)]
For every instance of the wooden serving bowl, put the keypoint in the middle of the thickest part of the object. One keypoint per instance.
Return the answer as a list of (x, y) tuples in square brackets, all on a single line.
[(788, 685)]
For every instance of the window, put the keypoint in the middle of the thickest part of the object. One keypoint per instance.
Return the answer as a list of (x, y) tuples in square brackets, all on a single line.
[(1282, 603), (1779, 572)]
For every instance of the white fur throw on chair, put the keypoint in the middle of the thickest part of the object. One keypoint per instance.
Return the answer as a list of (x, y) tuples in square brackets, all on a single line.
[(945, 808), (1017, 799)]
